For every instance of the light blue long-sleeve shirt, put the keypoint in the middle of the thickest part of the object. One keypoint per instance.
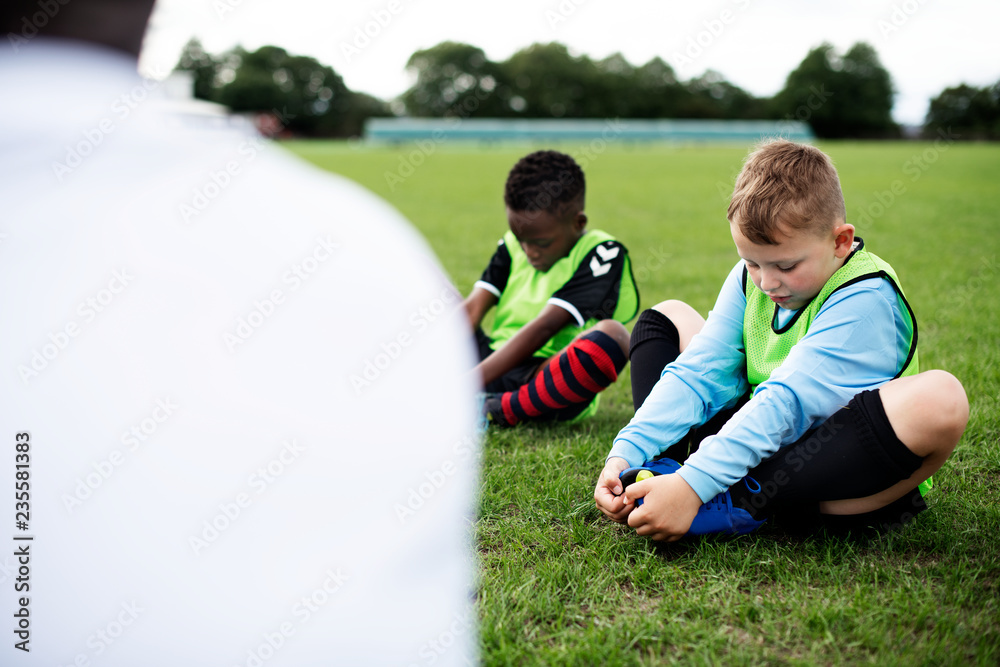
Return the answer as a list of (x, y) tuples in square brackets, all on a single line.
[(858, 341)]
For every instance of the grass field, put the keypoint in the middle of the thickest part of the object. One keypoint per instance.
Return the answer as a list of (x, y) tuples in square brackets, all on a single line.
[(561, 585)]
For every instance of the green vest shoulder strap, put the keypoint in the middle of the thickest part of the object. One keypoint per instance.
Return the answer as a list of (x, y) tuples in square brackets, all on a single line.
[(767, 345)]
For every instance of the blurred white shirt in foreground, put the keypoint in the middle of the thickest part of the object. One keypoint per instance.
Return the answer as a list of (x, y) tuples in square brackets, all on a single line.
[(238, 388)]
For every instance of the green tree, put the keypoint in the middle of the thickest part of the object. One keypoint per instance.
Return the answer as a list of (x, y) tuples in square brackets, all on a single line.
[(548, 81), (203, 65), (864, 80), (615, 89), (455, 79), (310, 96), (362, 107), (306, 96), (848, 96), (711, 96), (658, 93), (965, 111)]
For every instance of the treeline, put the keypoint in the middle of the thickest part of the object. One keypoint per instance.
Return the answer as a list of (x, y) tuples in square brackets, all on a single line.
[(965, 111), (847, 95), (304, 96)]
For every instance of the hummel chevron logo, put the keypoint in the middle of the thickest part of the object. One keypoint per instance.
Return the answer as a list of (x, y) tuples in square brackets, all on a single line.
[(607, 253), (597, 268)]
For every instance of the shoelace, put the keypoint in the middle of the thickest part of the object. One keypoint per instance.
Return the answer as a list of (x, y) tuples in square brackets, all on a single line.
[(724, 501)]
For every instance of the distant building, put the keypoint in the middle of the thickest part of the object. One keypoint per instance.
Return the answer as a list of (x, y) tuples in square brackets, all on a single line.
[(177, 94), (552, 130)]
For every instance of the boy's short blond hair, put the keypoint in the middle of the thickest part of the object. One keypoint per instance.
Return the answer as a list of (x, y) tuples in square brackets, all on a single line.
[(784, 184)]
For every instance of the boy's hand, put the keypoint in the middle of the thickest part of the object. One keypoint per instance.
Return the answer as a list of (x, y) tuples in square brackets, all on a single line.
[(607, 494), (669, 506), (531, 337)]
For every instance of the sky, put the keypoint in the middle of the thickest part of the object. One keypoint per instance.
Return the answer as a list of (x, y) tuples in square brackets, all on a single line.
[(926, 45)]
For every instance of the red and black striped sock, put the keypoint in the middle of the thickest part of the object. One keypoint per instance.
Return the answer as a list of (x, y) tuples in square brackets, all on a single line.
[(568, 382)]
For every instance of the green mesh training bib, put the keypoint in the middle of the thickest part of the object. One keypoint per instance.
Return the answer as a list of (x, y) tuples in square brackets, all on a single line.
[(529, 290), (767, 346)]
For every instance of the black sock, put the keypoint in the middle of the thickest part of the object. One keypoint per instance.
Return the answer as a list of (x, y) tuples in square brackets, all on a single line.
[(655, 342)]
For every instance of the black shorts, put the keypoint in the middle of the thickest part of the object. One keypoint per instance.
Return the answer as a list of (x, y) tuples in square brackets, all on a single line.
[(515, 377), (853, 454)]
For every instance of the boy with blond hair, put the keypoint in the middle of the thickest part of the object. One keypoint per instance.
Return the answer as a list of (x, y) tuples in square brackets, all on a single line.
[(800, 398)]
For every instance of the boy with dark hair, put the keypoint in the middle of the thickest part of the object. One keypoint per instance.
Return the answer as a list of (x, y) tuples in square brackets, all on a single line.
[(807, 323), (562, 295)]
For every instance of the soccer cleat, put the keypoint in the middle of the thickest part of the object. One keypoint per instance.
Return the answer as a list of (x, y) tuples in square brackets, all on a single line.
[(492, 410), (649, 469), (716, 516), (719, 516)]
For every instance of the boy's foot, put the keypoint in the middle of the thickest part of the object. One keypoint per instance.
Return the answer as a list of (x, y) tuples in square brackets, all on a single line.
[(492, 411), (662, 466), (716, 516)]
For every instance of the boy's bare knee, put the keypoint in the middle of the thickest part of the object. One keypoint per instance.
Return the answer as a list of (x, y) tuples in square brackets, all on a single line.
[(673, 307), (928, 411), (687, 320), (617, 331), (953, 404)]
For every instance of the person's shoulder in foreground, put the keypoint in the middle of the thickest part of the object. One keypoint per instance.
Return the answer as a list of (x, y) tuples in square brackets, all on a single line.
[(810, 323), (221, 462), (552, 281)]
